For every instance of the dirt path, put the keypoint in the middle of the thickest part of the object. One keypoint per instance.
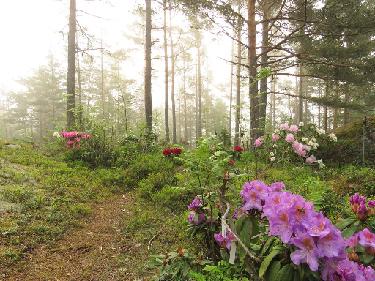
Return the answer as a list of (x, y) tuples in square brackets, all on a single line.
[(88, 253)]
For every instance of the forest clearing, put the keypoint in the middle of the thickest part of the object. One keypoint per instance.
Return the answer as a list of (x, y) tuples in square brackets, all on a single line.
[(187, 140)]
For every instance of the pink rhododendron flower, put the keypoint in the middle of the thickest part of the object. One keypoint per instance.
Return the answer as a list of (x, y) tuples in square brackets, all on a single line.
[(307, 252), (195, 218), (311, 159), (258, 142), (284, 127), (366, 238), (299, 148), (293, 128), (195, 204), (289, 138), (275, 137)]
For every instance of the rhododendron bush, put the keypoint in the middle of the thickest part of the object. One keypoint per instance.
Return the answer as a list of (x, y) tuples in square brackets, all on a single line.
[(73, 139), (293, 143), (285, 238)]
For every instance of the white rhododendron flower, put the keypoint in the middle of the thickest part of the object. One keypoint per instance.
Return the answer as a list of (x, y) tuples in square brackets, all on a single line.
[(321, 164), (333, 137), (320, 131), (301, 124), (272, 159), (56, 134), (272, 154), (305, 139)]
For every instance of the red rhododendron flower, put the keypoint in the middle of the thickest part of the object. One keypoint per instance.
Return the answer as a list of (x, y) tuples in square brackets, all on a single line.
[(238, 148)]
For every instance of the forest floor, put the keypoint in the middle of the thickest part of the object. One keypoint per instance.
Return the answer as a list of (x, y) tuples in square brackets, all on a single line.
[(90, 252), (62, 223)]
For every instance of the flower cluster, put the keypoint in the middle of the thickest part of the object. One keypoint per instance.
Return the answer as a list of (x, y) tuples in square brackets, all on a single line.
[(238, 148), (364, 238), (225, 240), (317, 241), (359, 207), (303, 148), (73, 139), (172, 151), (196, 215)]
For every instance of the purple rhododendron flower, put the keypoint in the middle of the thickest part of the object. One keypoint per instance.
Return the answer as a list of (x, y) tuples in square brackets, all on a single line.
[(277, 186), (371, 203), (195, 218), (224, 241), (195, 204), (366, 238), (253, 194), (307, 253)]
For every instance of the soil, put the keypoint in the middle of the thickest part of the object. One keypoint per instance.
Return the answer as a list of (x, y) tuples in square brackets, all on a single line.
[(89, 253)]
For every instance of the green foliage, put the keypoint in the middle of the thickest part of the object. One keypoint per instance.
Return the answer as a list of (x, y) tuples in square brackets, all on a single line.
[(222, 271)]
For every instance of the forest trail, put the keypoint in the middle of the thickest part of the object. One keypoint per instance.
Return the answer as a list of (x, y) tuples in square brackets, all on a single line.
[(90, 252)]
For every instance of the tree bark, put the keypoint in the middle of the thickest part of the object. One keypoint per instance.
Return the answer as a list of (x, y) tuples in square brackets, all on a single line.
[(166, 72), (148, 69), (231, 96), (325, 110), (253, 84), (264, 80), (70, 106), (185, 104), (300, 95), (173, 61), (237, 135)]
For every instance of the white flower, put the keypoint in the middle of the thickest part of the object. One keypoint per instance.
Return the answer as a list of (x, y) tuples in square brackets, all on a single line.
[(274, 145), (313, 139), (56, 134), (333, 137), (277, 131), (272, 154), (272, 159), (321, 164), (305, 139), (301, 124), (320, 131)]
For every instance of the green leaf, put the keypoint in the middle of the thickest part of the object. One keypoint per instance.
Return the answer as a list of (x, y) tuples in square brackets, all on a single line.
[(286, 273), (343, 223), (349, 231), (367, 259), (273, 272), (266, 262), (267, 245)]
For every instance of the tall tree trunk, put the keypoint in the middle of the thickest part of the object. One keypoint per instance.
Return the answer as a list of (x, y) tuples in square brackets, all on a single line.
[(80, 107), (273, 103), (253, 84), (199, 92), (185, 104), (264, 80), (336, 110), (325, 111), (231, 95), (70, 105), (173, 60), (237, 135), (166, 72), (148, 69), (346, 110), (300, 95), (102, 93)]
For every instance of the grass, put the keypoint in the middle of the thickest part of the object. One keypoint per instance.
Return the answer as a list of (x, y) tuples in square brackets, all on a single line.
[(40, 199)]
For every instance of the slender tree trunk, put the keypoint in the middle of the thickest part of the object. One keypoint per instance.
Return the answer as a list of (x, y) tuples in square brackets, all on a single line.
[(185, 104), (300, 95), (325, 111), (70, 108), (102, 94), (253, 84), (237, 135), (80, 111), (346, 110), (273, 103), (199, 92), (264, 80), (173, 60), (231, 96), (336, 110), (148, 69), (166, 72)]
